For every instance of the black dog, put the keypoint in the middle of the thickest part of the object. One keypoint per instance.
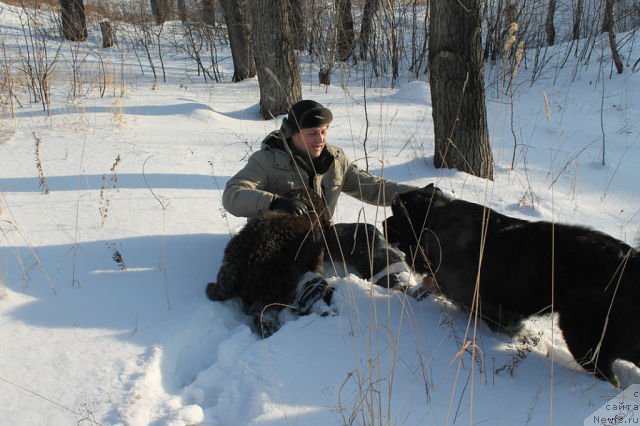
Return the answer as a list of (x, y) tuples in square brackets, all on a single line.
[(276, 261), (361, 248), (524, 268)]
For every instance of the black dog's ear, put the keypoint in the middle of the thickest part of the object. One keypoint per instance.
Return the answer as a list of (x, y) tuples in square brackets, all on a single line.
[(395, 201), (431, 189), (435, 194)]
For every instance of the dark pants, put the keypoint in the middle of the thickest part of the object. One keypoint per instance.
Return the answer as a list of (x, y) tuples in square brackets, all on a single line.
[(361, 249)]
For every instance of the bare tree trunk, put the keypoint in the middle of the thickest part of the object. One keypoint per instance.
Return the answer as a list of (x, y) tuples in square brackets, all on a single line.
[(238, 27), (182, 10), (161, 10), (297, 24), (492, 44), (607, 26), (208, 12), (74, 21), (346, 36), (549, 26), (323, 38), (366, 28), (313, 35), (457, 88), (607, 20), (276, 62), (324, 76), (498, 28), (577, 20), (107, 34)]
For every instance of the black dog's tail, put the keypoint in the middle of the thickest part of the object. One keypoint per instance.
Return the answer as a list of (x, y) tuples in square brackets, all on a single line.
[(227, 283), (216, 291)]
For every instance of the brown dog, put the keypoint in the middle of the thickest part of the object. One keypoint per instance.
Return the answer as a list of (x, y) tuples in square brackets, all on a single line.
[(264, 263)]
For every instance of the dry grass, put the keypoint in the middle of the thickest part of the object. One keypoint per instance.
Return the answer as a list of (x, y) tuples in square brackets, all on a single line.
[(94, 11), (107, 186), (41, 177), (33, 4)]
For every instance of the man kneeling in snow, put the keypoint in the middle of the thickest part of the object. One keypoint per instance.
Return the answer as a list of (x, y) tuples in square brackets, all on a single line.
[(297, 155)]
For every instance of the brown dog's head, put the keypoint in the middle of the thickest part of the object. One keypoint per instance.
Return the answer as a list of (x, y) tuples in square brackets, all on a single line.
[(405, 228)]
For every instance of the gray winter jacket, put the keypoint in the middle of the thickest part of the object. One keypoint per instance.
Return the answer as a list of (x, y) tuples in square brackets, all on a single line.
[(276, 169)]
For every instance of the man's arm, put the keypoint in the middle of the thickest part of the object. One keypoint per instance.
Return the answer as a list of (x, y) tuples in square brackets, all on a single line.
[(371, 189), (244, 194)]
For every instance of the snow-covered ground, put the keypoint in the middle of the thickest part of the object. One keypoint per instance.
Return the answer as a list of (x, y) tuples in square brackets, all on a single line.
[(111, 224)]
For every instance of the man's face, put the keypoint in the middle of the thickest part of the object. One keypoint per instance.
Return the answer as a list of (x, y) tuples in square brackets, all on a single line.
[(311, 140)]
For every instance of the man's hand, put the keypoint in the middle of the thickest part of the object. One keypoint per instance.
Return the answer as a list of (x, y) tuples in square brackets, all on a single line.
[(289, 205)]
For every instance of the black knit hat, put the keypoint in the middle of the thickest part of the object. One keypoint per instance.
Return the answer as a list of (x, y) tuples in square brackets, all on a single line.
[(304, 115)]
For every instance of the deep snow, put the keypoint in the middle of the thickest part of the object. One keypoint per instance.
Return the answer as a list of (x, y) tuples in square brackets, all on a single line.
[(103, 314)]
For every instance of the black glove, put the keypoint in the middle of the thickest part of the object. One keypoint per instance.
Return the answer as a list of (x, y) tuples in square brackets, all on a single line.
[(289, 205)]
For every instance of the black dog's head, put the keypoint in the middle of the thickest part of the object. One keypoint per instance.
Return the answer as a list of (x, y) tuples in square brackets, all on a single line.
[(315, 204), (405, 228), (410, 212)]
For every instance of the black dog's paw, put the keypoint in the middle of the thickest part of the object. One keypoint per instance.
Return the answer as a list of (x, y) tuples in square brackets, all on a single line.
[(313, 295), (267, 321), (420, 290)]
